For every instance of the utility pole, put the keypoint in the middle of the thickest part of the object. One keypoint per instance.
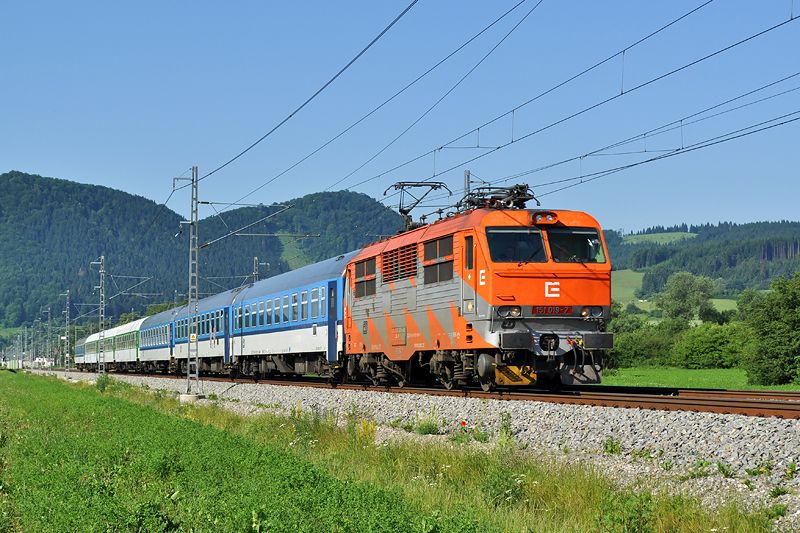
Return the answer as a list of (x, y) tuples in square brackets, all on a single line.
[(256, 264), (466, 183), (49, 356), (66, 331), (192, 362), (101, 354)]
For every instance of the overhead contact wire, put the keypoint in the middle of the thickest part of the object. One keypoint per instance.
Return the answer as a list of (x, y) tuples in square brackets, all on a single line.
[(310, 98), (377, 108), (437, 102), (603, 102), (542, 94)]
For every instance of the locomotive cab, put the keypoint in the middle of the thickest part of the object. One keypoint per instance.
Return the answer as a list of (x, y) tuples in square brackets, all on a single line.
[(546, 286)]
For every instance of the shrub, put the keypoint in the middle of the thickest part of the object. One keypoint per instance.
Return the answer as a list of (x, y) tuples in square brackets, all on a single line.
[(775, 319), (711, 346), (102, 382), (650, 344)]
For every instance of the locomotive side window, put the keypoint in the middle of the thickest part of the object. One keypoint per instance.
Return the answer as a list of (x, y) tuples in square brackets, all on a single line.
[(439, 258), (294, 307), (439, 248), (261, 320), (365, 278), (575, 245), (438, 272), (269, 312), (285, 309), (322, 307), (515, 245), (304, 305), (469, 261)]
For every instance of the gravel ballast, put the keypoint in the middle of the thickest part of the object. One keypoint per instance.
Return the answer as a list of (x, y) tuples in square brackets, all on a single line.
[(718, 458)]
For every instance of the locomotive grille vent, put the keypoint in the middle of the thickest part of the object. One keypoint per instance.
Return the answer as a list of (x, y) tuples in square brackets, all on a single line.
[(400, 263)]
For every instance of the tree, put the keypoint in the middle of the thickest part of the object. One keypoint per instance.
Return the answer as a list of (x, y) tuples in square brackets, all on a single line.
[(773, 357), (686, 296)]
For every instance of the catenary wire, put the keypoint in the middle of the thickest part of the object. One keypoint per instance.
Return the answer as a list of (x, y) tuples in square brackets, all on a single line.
[(376, 108), (310, 98), (597, 104), (543, 93), (437, 102), (730, 136), (555, 87), (664, 128)]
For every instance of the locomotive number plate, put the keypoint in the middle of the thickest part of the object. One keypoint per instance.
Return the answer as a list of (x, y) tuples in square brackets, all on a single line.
[(551, 310)]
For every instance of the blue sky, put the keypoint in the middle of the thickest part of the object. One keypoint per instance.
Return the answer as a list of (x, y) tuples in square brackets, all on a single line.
[(129, 95)]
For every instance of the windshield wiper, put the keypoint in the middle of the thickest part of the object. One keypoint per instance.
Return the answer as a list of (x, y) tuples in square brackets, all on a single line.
[(530, 256)]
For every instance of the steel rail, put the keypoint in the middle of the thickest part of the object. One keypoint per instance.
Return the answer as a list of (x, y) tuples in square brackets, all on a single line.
[(781, 404)]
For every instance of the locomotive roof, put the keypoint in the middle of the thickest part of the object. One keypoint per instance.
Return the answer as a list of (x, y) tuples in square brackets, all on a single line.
[(466, 220)]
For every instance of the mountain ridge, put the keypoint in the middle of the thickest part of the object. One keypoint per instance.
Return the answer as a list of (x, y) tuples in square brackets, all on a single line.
[(51, 228)]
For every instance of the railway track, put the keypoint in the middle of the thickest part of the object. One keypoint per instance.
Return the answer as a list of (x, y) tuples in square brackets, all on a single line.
[(782, 404)]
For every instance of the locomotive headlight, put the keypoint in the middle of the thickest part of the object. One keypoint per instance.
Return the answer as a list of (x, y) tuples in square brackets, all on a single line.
[(469, 305), (591, 311), (509, 311)]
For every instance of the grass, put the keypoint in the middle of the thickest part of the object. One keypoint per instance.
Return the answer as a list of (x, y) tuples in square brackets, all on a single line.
[(711, 378), (84, 460), (659, 238), (435, 487), (625, 283), (294, 256)]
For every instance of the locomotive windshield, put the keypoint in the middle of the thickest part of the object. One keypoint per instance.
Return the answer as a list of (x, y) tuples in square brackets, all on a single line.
[(515, 245), (575, 245)]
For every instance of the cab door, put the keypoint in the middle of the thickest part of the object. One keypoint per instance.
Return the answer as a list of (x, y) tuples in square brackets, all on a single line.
[(468, 276), (474, 278)]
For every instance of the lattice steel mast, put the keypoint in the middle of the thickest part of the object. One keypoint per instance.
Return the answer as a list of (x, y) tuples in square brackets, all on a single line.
[(101, 354), (192, 362)]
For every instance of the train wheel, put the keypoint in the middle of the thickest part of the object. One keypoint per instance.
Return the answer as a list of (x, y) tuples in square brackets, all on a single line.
[(487, 385)]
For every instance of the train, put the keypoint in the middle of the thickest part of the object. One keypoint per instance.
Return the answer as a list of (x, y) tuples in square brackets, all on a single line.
[(495, 295)]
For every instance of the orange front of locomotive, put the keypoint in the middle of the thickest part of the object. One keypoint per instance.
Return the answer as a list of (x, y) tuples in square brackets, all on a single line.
[(541, 282)]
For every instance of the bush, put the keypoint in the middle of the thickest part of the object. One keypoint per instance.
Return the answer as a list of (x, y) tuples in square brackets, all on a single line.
[(650, 344), (712, 346), (774, 356)]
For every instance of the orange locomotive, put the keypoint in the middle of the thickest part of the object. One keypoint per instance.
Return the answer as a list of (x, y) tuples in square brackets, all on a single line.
[(499, 294)]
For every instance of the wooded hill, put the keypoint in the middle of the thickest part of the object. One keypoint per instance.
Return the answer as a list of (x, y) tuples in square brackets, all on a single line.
[(50, 229), (738, 256)]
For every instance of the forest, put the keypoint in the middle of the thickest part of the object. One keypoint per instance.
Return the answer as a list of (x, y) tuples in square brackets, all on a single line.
[(51, 229), (736, 256)]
